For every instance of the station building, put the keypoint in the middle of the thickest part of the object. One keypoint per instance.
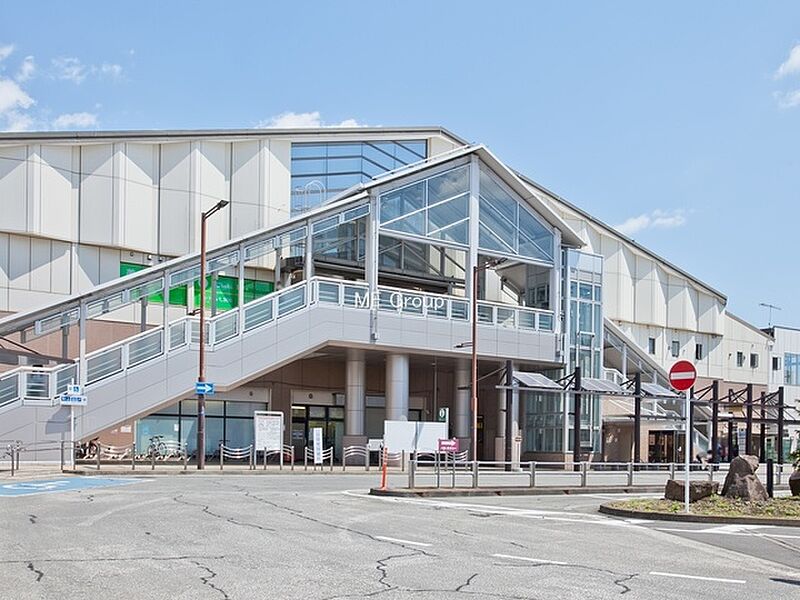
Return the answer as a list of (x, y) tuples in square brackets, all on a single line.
[(339, 292)]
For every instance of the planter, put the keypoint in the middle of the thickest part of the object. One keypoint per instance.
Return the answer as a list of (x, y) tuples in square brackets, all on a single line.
[(794, 482)]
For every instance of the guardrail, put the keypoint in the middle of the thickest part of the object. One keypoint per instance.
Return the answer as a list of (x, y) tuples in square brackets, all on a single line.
[(327, 456), (285, 453), (244, 453), (431, 469)]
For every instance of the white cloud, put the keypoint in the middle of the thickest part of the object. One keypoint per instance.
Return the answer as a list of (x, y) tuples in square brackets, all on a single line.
[(788, 99), (658, 219), (12, 96), (5, 51), (293, 120), (69, 68), (75, 120), (26, 69), (18, 121), (791, 65)]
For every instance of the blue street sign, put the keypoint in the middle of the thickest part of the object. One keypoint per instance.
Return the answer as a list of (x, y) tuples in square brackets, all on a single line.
[(69, 400), (204, 387)]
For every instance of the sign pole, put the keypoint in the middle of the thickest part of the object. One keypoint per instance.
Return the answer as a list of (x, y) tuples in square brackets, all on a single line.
[(72, 435), (687, 463)]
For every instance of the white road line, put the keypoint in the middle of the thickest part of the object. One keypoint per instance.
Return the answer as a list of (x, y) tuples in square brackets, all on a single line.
[(682, 576), (728, 532), (542, 561), (399, 541)]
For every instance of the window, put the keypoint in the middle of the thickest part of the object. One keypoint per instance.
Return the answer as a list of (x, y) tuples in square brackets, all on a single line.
[(776, 363), (676, 348), (320, 171), (740, 359), (651, 345), (698, 351), (506, 226), (753, 361), (791, 369)]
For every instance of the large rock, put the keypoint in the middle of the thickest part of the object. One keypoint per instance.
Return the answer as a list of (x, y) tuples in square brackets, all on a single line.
[(742, 481), (697, 490)]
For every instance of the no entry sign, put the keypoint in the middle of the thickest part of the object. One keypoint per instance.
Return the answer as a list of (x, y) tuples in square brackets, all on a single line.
[(682, 375)]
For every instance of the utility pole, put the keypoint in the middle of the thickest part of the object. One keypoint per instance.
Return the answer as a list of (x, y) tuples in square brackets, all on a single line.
[(201, 376)]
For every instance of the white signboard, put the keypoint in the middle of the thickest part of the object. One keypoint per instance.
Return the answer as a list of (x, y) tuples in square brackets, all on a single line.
[(268, 430), (316, 434), (411, 436)]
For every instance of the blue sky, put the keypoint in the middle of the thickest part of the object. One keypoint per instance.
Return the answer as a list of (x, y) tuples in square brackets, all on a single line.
[(675, 120)]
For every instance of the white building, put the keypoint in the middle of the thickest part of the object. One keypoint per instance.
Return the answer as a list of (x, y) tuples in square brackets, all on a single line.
[(83, 209)]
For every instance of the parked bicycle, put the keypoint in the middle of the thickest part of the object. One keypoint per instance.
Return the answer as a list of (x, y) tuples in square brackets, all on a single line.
[(157, 447), (87, 450)]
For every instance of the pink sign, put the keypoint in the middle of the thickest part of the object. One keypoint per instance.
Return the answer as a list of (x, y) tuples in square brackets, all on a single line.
[(448, 445)]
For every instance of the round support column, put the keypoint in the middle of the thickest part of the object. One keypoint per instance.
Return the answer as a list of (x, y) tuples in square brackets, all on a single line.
[(397, 387)]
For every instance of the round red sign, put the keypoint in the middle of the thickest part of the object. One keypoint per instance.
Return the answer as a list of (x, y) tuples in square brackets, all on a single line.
[(682, 375)]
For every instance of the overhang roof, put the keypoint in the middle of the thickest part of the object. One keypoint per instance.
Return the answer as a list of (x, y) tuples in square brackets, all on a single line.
[(163, 134)]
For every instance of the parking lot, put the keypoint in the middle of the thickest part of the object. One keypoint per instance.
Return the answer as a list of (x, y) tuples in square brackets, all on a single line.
[(320, 536)]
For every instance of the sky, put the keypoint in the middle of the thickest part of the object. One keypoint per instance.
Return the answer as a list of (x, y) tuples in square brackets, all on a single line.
[(676, 121)]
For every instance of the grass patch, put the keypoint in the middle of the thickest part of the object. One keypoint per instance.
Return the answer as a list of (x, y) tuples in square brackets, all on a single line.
[(718, 506)]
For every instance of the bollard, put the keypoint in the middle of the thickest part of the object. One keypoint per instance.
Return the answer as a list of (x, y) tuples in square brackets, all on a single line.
[(185, 458), (403, 461), (366, 458), (11, 448), (777, 479), (265, 459), (672, 470), (62, 455), (98, 455), (412, 467), (532, 467), (221, 457), (153, 460), (292, 455), (331, 459), (475, 466), (133, 456), (770, 477), (305, 458), (630, 474), (583, 473), (711, 473)]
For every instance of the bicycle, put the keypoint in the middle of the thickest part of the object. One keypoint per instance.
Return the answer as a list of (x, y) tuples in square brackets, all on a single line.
[(157, 447)]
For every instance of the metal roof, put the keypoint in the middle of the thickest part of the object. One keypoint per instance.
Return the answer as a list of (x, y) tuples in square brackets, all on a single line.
[(653, 389), (603, 386), (157, 134)]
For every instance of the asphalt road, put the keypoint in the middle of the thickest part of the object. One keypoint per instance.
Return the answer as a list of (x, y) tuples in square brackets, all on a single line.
[(319, 536)]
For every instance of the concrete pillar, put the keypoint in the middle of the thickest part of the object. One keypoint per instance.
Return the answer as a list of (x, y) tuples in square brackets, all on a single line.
[(355, 393), (461, 408), (516, 431), (397, 387)]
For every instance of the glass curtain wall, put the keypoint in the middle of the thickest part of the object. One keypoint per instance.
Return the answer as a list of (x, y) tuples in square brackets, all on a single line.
[(226, 421), (322, 170)]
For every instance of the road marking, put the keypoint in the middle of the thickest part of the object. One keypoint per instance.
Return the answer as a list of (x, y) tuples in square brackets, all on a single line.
[(682, 576), (67, 484), (720, 531), (399, 541), (542, 561)]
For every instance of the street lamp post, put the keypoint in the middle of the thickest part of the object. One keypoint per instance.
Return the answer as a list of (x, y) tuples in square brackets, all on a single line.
[(474, 387), (201, 376)]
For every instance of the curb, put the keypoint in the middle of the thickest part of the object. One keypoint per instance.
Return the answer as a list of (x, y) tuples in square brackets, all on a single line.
[(682, 518), (511, 491), (210, 472)]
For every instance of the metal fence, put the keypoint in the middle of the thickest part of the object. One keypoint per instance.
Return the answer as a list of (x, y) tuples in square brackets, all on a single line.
[(448, 470)]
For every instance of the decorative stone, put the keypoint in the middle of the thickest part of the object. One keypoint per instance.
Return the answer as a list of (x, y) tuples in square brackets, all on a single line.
[(794, 482), (742, 481), (697, 490)]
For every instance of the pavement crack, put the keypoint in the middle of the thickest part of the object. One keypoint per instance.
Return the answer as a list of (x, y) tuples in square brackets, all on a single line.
[(205, 508), (621, 578), (207, 580), (32, 519), (466, 583), (39, 574)]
